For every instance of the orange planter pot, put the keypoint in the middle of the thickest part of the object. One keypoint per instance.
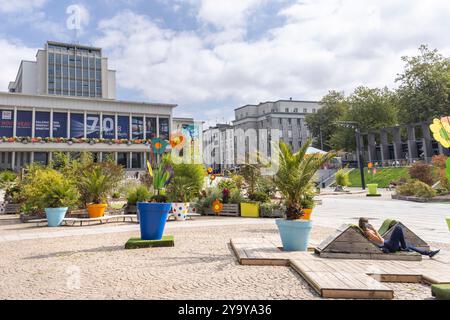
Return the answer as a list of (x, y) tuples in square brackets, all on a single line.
[(307, 214), (96, 210)]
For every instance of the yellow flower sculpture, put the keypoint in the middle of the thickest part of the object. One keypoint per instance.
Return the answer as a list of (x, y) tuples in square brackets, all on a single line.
[(217, 207), (441, 131), (210, 170)]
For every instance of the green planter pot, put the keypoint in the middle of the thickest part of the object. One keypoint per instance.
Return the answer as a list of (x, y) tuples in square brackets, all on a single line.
[(372, 188), (448, 223)]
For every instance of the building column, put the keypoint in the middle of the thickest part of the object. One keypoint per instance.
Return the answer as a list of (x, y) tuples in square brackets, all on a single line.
[(398, 154), (426, 142), (51, 124), (68, 124), (130, 162), (32, 157), (15, 122), (13, 161), (384, 145), (371, 147), (85, 124), (33, 121), (412, 146), (116, 124)]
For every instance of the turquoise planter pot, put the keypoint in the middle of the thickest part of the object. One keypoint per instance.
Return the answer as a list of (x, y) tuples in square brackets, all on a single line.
[(294, 234), (55, 216)]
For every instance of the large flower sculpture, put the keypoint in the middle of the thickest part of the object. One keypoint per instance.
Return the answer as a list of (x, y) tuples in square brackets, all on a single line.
[(159, 145), (177, 140), (217, 206), (441, 131)]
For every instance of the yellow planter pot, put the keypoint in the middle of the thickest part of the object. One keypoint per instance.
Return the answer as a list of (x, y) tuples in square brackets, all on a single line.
[(250, 210)]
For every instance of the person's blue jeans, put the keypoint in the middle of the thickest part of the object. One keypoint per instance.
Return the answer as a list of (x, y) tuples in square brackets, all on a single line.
[(397, 242)]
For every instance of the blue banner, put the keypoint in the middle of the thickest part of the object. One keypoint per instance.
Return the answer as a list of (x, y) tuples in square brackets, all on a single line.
[(59, 125), (137, 128), (93, 126), (76, 125), (6, 123), (150, 128), (123, 127), (42, 124), (109, 128), (24, 123)]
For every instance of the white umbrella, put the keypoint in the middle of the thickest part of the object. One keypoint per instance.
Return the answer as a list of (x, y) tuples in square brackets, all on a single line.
[(312, 150)]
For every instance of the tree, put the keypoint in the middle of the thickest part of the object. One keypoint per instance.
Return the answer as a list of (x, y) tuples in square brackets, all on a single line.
[(322, 124), (424, 86), (371, 109)]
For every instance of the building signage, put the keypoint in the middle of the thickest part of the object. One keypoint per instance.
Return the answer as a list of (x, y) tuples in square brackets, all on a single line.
[(24, 123), (42, 124), (138, 128), (93, 126), (59, 125), (6, 123), (109, 129), (123, 127), (76, 125)]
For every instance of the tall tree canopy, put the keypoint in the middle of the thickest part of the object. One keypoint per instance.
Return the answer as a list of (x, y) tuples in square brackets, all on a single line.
[(423, 92), (322, 123)]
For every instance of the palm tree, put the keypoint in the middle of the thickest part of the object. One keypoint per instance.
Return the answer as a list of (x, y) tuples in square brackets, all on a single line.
[(295, 174)]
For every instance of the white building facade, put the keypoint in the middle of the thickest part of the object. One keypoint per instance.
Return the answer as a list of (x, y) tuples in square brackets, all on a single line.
[(51, 107)]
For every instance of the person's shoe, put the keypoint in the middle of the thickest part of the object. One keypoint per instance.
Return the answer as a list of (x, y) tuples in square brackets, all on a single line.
[(405, 249), (433, 253)]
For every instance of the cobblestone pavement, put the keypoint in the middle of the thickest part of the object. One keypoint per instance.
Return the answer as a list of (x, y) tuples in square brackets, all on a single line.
[(200, 266)]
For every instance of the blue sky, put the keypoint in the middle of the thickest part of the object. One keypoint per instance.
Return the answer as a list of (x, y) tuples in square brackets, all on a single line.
[(211, 56)]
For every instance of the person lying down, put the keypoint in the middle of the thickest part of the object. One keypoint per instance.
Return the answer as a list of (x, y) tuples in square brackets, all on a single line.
[(395, 243)]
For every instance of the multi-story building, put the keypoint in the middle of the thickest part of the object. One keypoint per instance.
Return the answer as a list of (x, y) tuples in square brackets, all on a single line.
[(65, 102), (218, 147), (288, 116)]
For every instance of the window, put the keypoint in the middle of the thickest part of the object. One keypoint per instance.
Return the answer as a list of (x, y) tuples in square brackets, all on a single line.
[(93, 126), (150, 128), (314, 110), (164, 128), (108, 127), (76, 125), (286, 110), (24, 123), (122, 159), (123, 127), (137, 128), (296, 110), (136, 160), (305, 110)]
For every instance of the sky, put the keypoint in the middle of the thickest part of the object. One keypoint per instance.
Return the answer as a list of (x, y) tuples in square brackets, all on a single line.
[(212, 56)]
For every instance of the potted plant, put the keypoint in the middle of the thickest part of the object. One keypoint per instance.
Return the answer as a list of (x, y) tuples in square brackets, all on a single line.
[(342, 180), (139, 194), (96, 182), (153, 216), (57, 197), (184, 187), (308, 205), (293, 180)]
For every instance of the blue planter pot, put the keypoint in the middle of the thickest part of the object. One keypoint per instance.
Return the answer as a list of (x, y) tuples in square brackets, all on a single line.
[(152, 219), (294, 234), (55, 216)]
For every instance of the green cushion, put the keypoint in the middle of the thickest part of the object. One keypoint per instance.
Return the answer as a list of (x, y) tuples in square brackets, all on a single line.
[(356, 227), (387, 224), (441, 291), (137, 243)]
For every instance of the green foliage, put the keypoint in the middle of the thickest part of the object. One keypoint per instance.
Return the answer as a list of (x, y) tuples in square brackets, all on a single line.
[(208, 197), (139, 194), (236, 196), (98, 180), (383, 177), (295, 174), (238, 180), (47, 188), (423, 91), (227, 184), (251, 174), (259, 197), (342, 178), (416, 188), (187, 182), (322, 124), (159, 198), (161, 177), (6, 178), (421, 171), (265, 185)]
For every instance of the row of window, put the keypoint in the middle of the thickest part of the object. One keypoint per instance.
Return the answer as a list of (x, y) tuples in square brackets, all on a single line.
[(287, 110), (76, 126)]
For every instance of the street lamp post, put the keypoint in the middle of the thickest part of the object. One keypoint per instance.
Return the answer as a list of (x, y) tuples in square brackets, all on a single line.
[(355, 125)]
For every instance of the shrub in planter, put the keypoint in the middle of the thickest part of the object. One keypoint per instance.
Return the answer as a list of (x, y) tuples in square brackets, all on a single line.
[(139, 194), (96, 182), (342, 180), (421, 171), (259, 197), (271, 210), (6, 178), (416, 188)]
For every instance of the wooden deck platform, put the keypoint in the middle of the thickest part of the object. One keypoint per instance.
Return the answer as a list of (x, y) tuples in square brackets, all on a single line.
[(341, 278)]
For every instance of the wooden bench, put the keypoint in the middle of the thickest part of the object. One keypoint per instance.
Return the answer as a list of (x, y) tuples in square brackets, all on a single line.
[(12, 208)]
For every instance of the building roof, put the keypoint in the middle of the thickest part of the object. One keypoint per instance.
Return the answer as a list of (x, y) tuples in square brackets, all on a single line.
[(282, 100)]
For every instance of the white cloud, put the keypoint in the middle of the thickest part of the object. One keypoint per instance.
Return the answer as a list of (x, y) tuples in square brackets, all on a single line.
[(12, 54), (322, 45), (20, 6)]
